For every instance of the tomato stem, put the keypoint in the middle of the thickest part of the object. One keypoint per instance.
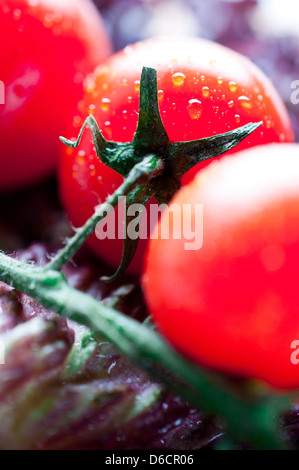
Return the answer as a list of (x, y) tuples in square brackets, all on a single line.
[(143, 172)]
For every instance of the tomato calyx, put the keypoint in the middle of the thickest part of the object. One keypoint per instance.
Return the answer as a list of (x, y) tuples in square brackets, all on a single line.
[(151, 139)]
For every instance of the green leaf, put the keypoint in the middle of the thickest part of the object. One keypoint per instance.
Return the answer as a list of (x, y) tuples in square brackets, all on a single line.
[(150, 136)]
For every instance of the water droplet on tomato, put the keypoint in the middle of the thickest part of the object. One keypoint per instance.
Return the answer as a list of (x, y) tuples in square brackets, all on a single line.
[(81, 157), (124, 82), (108, 130), (219, 80), (245, 102), (238, 118), (91, 108), (105, 104), (206, 91), (137, 85), (90, 86), (194, 109), (92, 170), (231, 104), (233, 86), (178, 79), (160, 95)]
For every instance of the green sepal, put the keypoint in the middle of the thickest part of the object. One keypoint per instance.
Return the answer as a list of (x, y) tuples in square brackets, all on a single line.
[(182, 156), (150, 136), (139, 196), (151, 139)]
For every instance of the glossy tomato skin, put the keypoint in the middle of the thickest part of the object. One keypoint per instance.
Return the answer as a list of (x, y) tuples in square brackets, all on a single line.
[(204, 89), (232, 305), (47, 48)]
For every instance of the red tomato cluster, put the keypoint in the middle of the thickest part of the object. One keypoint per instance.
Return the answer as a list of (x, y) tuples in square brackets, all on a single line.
[(231, 304)]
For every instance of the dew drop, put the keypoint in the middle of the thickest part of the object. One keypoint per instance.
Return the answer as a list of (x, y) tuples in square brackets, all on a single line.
[(81, 157), (130, 99), (206, 91), (91, 108), (231, 104), (219, 80), (238, 118), (245, 102), (202, 78), (105, 104), (137, 85), (178, 79), (90, 87), (194, 109), (233, 86), (124, 82), (92, 170), (160, 95)]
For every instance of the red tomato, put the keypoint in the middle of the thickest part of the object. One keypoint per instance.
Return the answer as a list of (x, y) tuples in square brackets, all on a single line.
[(233, 304), (48, 46), (204, 89)]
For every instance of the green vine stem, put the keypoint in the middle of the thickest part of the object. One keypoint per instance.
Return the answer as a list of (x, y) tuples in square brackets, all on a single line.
[(142, 173), (253, 419)]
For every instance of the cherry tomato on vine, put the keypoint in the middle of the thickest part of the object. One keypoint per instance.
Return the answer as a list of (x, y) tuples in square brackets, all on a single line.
[(232, 305), (203, 88), (47, 48)]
